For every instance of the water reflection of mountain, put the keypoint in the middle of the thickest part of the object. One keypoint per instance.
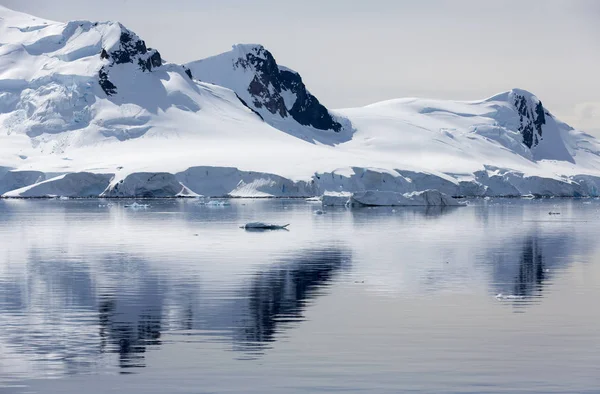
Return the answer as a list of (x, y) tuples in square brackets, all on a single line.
[(250, 316), (527, 273), (69, 303), (526, 262), (531, 269), (121, 307), (515, 248), (128, 330), (278, 296)]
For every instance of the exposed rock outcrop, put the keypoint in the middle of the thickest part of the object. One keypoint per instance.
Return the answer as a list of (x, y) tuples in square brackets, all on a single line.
[(128, 49), (274, 91), (532, 117)]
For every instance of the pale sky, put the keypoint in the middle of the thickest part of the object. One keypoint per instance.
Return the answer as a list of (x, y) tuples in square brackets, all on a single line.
[(353, 53)]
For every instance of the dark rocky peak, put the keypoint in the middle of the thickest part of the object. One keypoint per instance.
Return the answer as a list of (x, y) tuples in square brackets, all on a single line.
[(255, 57), (128, 48), (188, 72), (532, 116), (276, 89), (132, 49)]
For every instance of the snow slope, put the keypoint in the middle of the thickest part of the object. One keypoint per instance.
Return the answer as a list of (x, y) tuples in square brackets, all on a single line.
[(88, 109)]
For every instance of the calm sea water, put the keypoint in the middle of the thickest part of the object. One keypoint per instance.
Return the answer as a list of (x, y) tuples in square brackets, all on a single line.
[(176, 298)]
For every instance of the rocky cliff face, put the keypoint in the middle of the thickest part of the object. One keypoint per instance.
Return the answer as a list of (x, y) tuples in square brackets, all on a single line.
[(271, 83)]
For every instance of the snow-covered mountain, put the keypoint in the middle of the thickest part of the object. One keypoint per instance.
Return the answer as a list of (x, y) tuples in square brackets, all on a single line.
[(277, 93), (88, 109)]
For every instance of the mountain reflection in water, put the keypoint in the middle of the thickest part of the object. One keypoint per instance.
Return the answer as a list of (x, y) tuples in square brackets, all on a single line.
[(84, 290), (265, 304)]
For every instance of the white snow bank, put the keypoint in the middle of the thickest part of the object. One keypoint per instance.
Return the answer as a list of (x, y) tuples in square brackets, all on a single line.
[(385, 198)]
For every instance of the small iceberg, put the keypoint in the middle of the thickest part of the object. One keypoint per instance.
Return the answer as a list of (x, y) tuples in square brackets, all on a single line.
[(335, 199), (509, 297), (264, 226), (136, 206), (427, 198), (376, 198), (200, 200), (217, 203)]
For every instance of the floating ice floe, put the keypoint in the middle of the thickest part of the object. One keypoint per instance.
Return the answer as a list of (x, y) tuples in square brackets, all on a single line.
[(136, 206), (217, 203), (264, 226), (509, 297), (313, 199)]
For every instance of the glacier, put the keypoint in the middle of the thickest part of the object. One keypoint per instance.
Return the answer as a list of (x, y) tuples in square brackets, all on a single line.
[(87, 109)]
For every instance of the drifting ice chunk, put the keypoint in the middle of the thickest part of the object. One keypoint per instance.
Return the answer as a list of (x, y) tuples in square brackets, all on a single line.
[(136, 206), (384, 198), (313, 199), (509, 297), (217, 203), (333, 199), (263, 226)]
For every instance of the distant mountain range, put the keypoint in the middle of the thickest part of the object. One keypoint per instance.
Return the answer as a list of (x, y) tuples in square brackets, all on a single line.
[(88, 109)]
